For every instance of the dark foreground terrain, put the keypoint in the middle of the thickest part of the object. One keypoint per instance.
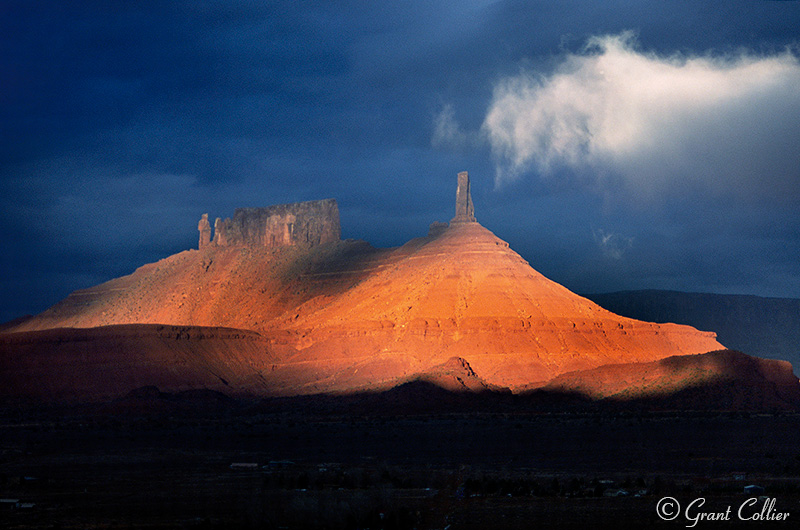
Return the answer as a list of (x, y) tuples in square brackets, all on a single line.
[(152, 463)]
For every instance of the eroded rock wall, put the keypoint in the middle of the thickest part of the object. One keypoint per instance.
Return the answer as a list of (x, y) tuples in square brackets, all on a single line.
[(305, 224)]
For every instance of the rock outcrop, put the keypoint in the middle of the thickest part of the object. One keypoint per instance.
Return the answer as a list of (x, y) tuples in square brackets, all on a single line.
[(437, 228), (306, 224)]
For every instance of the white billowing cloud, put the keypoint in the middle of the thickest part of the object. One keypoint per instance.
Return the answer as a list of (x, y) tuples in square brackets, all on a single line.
[(718, 123)]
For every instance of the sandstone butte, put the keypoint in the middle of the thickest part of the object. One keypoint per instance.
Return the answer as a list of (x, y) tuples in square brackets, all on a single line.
[(277, 304)]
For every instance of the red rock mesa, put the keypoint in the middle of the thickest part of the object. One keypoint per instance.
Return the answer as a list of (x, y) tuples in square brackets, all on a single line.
[(339, 316)]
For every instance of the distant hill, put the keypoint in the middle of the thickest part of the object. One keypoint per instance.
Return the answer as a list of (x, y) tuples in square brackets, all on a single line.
[(765, 327)]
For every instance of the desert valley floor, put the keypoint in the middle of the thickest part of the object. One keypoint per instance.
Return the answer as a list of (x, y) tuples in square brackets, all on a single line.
[(204, 464)]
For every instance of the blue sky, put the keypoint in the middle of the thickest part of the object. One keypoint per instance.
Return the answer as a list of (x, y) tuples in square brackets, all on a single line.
[(615, 145)]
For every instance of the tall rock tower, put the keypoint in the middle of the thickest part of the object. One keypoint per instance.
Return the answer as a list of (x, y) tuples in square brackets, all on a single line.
[(205, 231), (465, 211)]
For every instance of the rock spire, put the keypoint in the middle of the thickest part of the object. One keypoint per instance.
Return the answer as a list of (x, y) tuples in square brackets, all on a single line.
[(205, 231), (465, 211)]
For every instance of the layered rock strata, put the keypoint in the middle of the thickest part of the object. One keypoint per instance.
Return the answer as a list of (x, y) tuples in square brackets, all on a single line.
[(342, 316)]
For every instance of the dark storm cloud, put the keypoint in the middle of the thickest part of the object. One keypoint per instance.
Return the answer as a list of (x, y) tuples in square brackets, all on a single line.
[(122, 122)]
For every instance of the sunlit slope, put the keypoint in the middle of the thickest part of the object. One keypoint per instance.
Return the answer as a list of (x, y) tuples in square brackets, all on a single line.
[(238, 287), (466, 294), (346, 316)]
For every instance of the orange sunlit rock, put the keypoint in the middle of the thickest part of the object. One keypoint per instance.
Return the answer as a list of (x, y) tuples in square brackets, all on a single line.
[(466, 294), (342, 316)]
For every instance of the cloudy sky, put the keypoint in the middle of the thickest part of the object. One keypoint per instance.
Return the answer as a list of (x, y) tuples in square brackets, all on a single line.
[(615, 145)]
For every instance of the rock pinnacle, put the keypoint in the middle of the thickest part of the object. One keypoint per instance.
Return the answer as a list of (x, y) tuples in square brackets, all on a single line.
[(465, 210)]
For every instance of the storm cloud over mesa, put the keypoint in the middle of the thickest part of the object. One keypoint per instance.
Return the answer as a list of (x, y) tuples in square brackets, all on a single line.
[(708, 123)]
